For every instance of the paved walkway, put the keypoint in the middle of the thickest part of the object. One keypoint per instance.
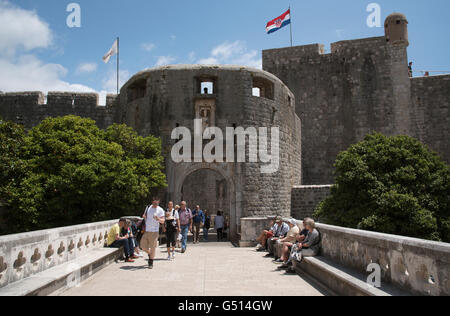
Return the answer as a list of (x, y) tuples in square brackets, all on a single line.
[(207, 269)]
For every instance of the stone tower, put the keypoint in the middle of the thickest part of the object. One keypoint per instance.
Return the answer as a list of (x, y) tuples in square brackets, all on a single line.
[(360, 87), (396, 29), (396, 34)]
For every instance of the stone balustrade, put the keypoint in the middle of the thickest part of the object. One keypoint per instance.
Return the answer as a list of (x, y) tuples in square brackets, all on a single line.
[(417, 266), (27, 254)]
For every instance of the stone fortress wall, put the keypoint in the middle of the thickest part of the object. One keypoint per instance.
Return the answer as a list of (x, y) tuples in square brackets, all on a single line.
[(322, 102), (360, 87), (30, 108), (174, 95)]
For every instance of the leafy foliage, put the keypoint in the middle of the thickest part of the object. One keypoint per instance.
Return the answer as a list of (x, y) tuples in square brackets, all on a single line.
[(67, 171), (393, 185)]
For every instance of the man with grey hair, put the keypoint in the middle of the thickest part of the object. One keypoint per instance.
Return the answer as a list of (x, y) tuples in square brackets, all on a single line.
[(186, 217), (288, 241), (310, 247), (280, 231)]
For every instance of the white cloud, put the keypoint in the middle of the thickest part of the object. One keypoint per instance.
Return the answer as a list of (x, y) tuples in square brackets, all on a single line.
[(148, 47), (235, 53), (339, 33), (86, 68), (173, 37), (209, 61), (29, 73), (21, 29), (165, 60), (109, 84), (191, 57)]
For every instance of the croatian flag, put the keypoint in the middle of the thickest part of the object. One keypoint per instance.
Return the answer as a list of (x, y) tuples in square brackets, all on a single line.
[(280, 22)]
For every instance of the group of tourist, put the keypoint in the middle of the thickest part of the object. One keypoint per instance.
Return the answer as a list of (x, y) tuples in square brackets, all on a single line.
[(295, 244), (176, 223)]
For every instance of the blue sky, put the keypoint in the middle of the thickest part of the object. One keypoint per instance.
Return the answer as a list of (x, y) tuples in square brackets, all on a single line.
[(38, 51)]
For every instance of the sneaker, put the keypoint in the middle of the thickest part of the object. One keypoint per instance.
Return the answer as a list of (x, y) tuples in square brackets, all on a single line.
[(258, 246), (129, 260), (150, 264), (183, 250), (134, 257), (169, 258), (278, 261)]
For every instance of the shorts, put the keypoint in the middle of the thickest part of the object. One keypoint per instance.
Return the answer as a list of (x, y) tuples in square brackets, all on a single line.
[(269, 235), (171, 236), (150, 240)]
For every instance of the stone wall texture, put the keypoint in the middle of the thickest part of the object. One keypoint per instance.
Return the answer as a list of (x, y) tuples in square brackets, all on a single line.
[(30, 108), (157, 101), (171, 96), (360, 87), (419, 267), (306, 198), (431, 105), (28, 254)]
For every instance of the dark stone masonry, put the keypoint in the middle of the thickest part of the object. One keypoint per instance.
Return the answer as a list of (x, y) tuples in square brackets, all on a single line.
[(322, 103), (305, 199)]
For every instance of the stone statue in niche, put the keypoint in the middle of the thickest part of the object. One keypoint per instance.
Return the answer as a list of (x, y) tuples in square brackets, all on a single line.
[(205, 115)]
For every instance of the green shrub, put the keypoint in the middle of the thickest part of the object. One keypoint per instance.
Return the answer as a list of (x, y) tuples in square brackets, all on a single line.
[(393, 185), (67, 171)]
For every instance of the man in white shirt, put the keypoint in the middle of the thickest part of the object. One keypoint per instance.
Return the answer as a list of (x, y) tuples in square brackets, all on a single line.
[(219, 223), (153, 216)]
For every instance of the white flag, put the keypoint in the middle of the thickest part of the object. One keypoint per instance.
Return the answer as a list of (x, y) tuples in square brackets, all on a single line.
[(113, 51)]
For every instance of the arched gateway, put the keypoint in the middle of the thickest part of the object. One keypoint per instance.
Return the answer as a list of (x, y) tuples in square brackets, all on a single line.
[(212, 186), (197, 97)]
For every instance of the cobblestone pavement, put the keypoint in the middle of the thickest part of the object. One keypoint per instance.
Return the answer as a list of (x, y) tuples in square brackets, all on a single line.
[(206, 269)]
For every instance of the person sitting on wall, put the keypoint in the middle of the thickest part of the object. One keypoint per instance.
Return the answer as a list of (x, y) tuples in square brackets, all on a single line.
[(116, 241), (280, 231), (265, 235), (310, 247), (288, 241), (131, 230), (299, 239)]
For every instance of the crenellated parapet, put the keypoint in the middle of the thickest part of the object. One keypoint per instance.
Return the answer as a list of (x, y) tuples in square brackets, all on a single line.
[(30, 108)]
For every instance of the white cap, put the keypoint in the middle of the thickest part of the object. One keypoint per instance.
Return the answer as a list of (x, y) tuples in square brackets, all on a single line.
[(293, 221)]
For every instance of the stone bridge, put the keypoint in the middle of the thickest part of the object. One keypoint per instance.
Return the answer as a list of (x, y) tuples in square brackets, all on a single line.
[(65, 261)]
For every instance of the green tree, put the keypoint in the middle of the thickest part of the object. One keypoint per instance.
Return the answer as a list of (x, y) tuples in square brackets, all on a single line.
[(76, 173), (393, 185)]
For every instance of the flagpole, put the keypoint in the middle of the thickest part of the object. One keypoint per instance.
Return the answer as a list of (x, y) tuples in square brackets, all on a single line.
[(290, 15), (118, 57)]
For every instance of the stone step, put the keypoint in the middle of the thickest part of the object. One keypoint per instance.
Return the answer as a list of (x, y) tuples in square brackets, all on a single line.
[(64, 275), (341, 280)]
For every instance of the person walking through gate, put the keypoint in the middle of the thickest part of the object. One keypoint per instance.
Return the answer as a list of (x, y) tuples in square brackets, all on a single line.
[(172, 229), (207, 226), (219, 223), (153, 216), (199, 220), (186, 224)]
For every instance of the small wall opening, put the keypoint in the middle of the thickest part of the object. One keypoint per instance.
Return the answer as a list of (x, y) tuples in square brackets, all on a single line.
[(207, 88), (137, 90), (263, 88), (206, 85)]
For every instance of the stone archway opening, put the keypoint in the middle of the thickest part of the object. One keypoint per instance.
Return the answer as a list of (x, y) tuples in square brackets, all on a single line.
[(209, 189)]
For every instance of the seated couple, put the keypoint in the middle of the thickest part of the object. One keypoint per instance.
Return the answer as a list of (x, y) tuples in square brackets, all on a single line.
[(296, 244)]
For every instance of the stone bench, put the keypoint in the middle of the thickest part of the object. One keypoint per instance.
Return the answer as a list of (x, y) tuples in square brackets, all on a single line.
[(407, 265), (34, 263), (337, 279), (63, 276)]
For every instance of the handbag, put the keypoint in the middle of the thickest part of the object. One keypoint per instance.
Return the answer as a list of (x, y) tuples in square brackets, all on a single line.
[(142, 224)]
